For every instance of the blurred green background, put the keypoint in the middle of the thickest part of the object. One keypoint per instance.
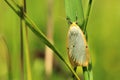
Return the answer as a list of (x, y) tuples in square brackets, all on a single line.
[(103, 32)]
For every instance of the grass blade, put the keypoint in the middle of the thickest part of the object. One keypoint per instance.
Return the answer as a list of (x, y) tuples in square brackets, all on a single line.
[(25, 54), (74, 10)]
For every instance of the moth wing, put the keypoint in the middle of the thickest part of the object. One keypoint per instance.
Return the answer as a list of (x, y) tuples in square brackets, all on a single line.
[(76, 46)]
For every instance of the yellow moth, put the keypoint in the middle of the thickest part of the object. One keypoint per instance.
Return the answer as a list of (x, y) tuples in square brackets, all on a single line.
[(77, 46)]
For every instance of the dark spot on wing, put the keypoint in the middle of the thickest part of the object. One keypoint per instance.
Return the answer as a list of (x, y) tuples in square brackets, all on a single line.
[(73, 46)]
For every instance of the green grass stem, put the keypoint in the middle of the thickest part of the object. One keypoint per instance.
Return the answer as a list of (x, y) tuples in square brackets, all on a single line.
[(25, 54), (87, 15)]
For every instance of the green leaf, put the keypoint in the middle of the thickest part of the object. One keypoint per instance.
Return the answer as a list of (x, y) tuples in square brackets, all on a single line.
[(73, 10)]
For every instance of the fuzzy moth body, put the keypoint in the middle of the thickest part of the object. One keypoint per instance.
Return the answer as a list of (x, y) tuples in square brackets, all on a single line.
[(77, 46)]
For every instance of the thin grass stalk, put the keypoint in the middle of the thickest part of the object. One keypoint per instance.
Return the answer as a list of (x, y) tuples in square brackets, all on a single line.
[(87, 71), (34, 28), (48, 51), (90, 71), (14, 52), (24, 45), (87, 15), (15, 56), (4, 59)]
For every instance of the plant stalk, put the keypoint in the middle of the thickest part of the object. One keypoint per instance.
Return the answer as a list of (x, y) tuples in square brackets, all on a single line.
[(48, 52), (87, 15), (25, 54), (87, 71)]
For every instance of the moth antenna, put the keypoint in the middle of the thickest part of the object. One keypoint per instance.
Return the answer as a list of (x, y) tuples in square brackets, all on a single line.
[(76, 18), (69, 21)]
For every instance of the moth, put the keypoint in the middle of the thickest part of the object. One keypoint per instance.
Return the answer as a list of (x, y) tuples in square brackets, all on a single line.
[(77, 46)]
